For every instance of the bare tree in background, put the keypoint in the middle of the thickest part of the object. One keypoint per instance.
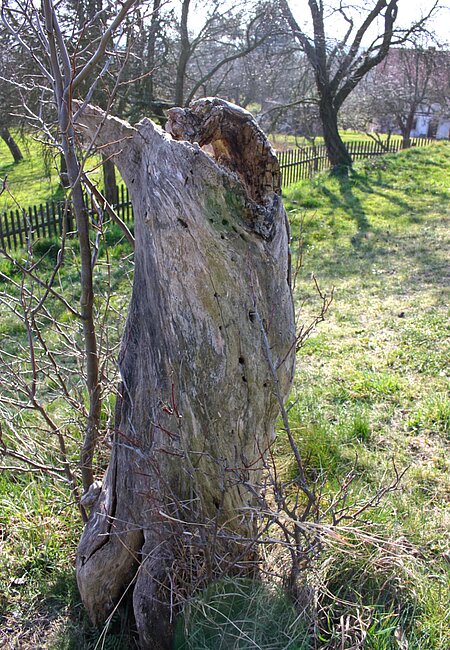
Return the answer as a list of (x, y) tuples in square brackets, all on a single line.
[(179, 55), (226, 36), (340, 63), (409, 83), (9, 95)]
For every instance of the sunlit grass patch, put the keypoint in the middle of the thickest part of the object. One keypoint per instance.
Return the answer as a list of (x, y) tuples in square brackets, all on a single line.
[(35, 179), (372, 386), (37, 527), (31, 181)]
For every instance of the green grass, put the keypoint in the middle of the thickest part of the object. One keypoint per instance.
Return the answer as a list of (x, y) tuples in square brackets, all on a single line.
[(39, 523), (371, 388), (33, 180), (281, 141), (372, 383), (242, 614)]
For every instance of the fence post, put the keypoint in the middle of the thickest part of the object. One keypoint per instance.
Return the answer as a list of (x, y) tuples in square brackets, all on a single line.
[(30, 226), (54, 220), (2, 216)]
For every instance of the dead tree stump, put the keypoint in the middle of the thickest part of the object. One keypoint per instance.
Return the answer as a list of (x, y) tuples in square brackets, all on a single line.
[(197, 406)]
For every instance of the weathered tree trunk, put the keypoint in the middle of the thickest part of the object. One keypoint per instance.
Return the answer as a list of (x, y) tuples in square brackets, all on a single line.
[(5, 134), (196, 407)]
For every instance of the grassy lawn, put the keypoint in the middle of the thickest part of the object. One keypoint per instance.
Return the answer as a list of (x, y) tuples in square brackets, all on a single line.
[(372, 382), (283, 141), (371, 391), (33, 180)]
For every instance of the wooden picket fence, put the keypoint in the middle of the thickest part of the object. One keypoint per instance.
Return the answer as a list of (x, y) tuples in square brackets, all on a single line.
[(18, 226), (305, 162), (47, 220)]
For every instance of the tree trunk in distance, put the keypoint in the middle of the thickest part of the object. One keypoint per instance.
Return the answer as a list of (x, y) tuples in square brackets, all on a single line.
[(63, 176), (109, 180), (196, 408), (11, 143), (339, 158), (406, 128), (185, 53)]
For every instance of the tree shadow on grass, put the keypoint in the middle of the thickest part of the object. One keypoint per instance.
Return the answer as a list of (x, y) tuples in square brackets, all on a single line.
[(76, 631), (6, 168), (418, 258), (349, 202)]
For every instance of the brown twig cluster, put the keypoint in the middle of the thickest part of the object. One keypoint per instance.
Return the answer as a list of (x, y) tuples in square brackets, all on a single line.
[(46, 367)]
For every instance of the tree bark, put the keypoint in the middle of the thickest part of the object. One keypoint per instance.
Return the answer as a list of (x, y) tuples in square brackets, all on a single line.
[(109, 180), (11, 143), (339, 158), (63, 176), (185, 53), (406, 126), (196, 407)]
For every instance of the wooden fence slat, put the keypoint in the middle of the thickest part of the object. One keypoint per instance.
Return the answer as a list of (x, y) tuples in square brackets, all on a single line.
[(41, 215), (13, 228), (122, 202), (36, 224), (19, 222), (54, 219), (27, 225), (47, 218), (2, 237), (60, 218), (30, 226)]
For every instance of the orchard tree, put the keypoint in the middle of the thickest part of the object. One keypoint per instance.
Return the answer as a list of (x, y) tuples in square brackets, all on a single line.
[(409, 82), (271, 75), (148, 75), (225, 37), (341, 62), (181, 54)]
